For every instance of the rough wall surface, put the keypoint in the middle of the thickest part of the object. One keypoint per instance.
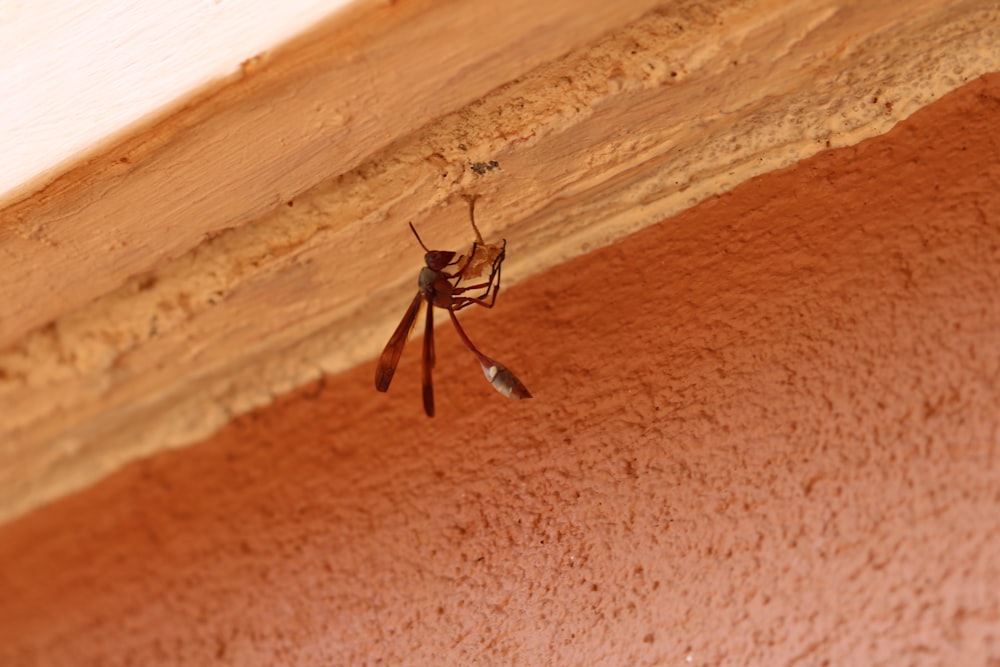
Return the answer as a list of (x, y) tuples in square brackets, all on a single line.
[(764, 432)]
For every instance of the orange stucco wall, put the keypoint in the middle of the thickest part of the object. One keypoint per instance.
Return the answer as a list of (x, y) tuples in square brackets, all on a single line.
[(764, 431)]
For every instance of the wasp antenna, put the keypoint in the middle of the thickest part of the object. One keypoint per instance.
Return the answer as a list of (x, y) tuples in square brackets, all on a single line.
[(414, 230)]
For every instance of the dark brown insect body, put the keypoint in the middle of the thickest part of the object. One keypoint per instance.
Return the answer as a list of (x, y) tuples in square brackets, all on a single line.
[(442, 289)]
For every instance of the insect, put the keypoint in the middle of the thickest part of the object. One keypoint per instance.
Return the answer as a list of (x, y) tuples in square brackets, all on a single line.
[(440, 288)]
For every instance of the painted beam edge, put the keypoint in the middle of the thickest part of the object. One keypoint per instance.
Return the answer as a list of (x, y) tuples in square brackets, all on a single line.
[(679, 105), (84, 74)]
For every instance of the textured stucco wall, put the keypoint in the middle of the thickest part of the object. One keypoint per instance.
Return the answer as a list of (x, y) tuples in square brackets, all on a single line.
[(764, 432)]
